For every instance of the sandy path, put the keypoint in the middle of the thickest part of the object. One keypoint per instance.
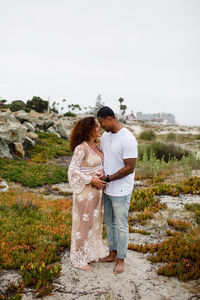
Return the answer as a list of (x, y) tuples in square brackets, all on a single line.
[(139, 281)]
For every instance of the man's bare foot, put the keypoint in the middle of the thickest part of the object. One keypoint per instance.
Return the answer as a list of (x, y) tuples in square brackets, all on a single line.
[(85, 268), (91, 262), (119, 267), (110, 258)]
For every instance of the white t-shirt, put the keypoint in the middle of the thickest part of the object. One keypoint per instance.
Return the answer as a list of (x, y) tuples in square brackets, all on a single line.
[(116, 147)]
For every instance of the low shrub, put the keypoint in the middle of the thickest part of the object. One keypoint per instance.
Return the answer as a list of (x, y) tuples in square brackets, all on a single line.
[(162, 151), (169, 151), (148, 166), (69, 114), (147, 134)]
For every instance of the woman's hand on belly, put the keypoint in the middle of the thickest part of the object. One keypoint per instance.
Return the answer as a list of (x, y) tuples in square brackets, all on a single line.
[(98, 182)]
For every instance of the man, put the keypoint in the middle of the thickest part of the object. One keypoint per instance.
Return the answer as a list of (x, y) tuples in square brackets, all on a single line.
[(119, 147)]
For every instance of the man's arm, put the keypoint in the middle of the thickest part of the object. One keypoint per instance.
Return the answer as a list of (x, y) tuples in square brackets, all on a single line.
[(126, 170)]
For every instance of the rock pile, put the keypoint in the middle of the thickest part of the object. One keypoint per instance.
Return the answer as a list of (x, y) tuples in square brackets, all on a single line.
[(17, 130)]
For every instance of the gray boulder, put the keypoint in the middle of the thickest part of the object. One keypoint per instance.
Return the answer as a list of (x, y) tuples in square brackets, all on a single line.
[(32, 135), (52, 130), (39, 124), (7, 116), (29, 126), (13, 132), (4, 149), (28, 143), (22, 116), (47, 124), (62, 128)]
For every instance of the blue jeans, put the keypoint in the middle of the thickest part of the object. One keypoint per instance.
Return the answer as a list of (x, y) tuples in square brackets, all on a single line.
[(116, 219)]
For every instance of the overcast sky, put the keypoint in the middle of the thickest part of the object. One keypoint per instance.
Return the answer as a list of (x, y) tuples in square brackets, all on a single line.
[(145, 51)]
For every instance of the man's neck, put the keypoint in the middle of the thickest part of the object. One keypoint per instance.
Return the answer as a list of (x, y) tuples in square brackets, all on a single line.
[(116, 127)]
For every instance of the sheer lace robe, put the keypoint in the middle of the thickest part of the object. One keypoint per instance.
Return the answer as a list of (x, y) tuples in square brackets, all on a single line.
[(87, 212)]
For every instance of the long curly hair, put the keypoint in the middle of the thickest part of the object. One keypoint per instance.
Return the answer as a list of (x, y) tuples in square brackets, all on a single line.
[(81, 131)]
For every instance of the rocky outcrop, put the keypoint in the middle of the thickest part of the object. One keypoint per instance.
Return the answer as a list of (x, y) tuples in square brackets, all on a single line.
[(17, 130)]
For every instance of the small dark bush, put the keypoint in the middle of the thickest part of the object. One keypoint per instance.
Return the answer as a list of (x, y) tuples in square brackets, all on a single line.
[(37, 104), (69, 114), (147, 134), (17, 105), (162, 150)]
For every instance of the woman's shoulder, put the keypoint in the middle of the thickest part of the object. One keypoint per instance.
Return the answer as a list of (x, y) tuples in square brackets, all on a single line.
[(80, 147)]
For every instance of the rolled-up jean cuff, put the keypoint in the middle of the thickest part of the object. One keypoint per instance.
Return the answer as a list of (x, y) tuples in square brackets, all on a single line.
[(121, 256)]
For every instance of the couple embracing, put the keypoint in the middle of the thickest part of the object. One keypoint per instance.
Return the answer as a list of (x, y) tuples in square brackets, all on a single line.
[(102, 181)]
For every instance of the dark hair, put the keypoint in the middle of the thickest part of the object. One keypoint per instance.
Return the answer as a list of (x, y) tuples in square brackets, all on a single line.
[(105, 111), (81, 131)]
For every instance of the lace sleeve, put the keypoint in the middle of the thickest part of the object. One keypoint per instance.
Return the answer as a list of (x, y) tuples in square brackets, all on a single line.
[(77, 179)]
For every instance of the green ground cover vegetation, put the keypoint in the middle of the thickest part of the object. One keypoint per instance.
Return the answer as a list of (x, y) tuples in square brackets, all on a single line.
[(32, 174), (34, 231), (36, 171), (49, 146), (180, 251)]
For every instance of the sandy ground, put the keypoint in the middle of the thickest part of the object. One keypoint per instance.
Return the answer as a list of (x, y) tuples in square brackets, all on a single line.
[(140, 280), (165, 129)]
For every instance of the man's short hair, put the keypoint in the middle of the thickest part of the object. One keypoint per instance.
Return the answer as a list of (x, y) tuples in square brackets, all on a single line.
[(105, 111)]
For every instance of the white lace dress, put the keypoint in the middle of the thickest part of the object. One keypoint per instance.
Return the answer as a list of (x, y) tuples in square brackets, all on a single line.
[(87, 213)]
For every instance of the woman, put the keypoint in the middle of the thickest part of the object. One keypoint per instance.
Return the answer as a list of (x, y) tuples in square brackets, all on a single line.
[(84, 175)]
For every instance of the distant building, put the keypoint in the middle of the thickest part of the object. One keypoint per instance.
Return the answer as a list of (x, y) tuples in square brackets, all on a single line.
[(160, 118), (131, 117)]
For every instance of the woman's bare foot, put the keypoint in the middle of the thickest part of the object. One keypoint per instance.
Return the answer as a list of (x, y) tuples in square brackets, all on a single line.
[(110, 258), (119, 267), (85, 268)]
